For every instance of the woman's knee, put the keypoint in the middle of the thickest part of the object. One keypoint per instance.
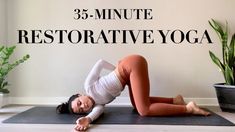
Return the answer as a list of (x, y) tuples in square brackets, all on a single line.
[(143, 111)]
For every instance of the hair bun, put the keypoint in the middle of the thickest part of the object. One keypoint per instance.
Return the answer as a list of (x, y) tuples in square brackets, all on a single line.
[(62, 108)]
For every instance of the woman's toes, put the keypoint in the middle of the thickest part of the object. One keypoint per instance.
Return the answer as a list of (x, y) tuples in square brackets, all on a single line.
[(194, 109)]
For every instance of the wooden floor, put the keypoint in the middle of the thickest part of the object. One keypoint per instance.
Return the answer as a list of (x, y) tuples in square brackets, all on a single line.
[(9, 111)]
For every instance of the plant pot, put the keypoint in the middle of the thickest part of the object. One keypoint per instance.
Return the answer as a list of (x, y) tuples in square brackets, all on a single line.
[(3, 99), (226, 96)]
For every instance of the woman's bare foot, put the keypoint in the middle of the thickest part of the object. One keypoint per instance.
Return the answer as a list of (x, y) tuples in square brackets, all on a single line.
[(194, 109), (179, 100)]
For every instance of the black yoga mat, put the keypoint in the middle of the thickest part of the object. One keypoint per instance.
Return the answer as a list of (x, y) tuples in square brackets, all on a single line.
[(114, 115)]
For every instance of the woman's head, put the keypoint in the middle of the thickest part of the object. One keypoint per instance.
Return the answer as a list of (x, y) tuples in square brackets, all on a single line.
[(76, 104)]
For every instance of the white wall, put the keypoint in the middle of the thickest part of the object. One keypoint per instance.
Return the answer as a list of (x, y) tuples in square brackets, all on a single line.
[(3, 32), (60, 70)]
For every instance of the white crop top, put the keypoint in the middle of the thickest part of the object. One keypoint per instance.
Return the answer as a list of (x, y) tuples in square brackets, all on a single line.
[(103, 89)]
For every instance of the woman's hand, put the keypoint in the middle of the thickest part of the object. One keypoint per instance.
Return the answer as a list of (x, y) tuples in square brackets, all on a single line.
[(82, 123)]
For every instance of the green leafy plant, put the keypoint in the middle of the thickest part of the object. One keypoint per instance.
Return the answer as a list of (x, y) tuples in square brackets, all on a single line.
[(6, 66), (227, 64)]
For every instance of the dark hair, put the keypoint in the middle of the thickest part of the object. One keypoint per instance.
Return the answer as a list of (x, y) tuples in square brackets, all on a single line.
[(66, 107)]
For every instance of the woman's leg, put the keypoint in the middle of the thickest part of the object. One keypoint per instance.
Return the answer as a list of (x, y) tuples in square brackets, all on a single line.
[(178, 100), (134, 69), (161, 100), (152, 99)]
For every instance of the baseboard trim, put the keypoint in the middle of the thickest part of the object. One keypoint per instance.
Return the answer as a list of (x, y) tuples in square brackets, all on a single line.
[(119, 101)]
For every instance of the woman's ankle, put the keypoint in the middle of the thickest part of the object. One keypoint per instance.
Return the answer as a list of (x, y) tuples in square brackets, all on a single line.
[(189, 108), (179, 100)]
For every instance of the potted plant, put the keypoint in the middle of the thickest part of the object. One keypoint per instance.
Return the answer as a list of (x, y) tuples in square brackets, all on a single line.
[(5, 68), (225, 91)]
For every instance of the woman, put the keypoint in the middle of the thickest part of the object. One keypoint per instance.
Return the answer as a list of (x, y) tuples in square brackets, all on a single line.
[(133, 72)]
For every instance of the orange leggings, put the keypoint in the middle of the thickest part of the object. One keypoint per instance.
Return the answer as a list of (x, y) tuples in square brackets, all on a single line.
[(134, 71)]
